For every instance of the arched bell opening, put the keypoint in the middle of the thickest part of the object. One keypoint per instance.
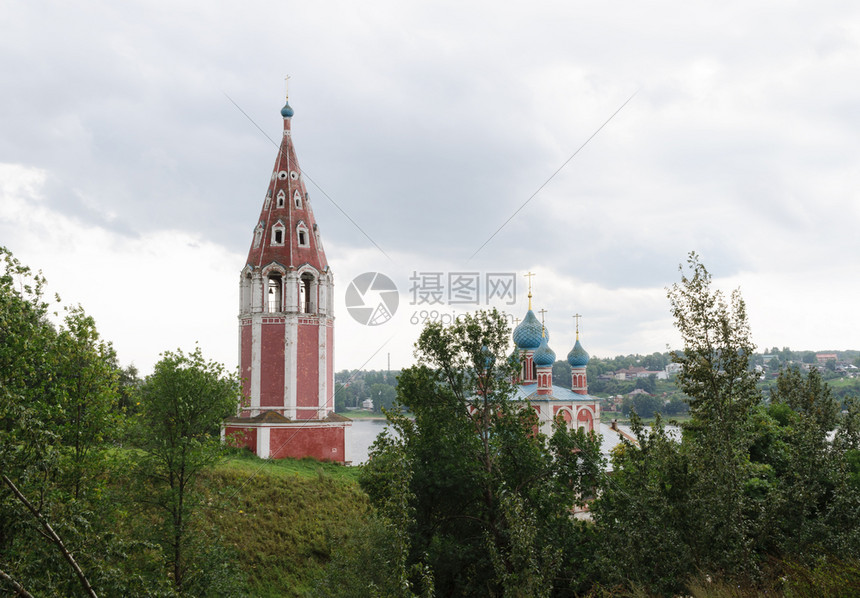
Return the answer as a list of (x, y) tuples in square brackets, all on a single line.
[(307, 293), (274, 285)]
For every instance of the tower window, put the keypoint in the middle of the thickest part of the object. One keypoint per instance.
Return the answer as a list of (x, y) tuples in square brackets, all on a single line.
[(302, 234), (278, 233), (281, 197), (297, 199)]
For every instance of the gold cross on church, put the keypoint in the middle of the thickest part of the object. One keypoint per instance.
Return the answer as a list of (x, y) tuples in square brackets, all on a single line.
[(577, 317), (529, 276), (542, 313)]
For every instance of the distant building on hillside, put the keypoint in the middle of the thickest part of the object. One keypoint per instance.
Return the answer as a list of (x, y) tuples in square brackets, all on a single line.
[(825, 357)]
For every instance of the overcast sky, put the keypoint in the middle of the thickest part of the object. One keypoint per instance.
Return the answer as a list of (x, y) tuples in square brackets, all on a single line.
[(130, 178)]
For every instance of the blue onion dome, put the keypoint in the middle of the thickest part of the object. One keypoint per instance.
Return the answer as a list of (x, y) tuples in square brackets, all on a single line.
[(544, 356), (577, 356), (527, 334), (286, 111)]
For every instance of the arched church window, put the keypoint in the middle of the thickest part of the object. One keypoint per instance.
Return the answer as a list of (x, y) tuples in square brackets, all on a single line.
[(281, 197), (297, 199)]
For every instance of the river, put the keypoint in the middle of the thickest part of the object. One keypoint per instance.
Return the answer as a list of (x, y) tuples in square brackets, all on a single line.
[(364, 432)]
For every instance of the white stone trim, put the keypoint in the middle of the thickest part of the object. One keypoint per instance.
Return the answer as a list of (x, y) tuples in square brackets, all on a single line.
[(291, 338), (321, 372), (256, 367), (264, 442)]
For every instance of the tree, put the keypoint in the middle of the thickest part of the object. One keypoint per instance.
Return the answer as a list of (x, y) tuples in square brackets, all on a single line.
[(383, 396), (721, 386), (27, 343), (692, 494), (86, 394), (648, 384), (748, 483), (561, 374), (642, 514), (676, 405), (183, 404), (646, 405), (340, 393), (655, 361), (57, 391), (715, 370), (809, 395), (491, 497)]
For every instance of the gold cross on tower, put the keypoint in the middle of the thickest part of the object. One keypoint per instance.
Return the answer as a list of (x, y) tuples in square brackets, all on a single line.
[(529, 276), (577, 317), (542, 313)]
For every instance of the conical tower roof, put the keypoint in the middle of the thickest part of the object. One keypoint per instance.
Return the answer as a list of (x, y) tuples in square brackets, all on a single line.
[(286, 209)]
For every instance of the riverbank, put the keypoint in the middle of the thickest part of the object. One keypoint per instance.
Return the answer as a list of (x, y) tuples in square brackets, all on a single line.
[(362, 414), (607, 417)]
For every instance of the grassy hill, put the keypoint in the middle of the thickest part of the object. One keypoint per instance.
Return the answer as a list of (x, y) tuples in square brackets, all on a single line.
[(282, 518)]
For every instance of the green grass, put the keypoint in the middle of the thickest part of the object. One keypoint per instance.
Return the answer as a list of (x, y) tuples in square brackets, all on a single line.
[(282, 518), (245, 462)]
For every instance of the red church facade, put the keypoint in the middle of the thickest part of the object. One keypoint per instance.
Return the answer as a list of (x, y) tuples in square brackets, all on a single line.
[(286, 327)]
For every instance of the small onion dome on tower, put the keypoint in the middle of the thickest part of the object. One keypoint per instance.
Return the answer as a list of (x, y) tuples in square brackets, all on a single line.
[(287, 111), (544, 356), (577, 356), (527, 335)]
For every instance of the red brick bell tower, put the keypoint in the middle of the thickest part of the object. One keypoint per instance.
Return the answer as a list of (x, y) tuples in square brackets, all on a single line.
[(286, 326)]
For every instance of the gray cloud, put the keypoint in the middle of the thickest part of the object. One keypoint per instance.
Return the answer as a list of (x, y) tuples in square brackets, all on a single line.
[(431, 123)]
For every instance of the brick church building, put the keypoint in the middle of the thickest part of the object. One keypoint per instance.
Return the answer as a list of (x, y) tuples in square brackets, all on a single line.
[(286, 327), (574, 405)]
